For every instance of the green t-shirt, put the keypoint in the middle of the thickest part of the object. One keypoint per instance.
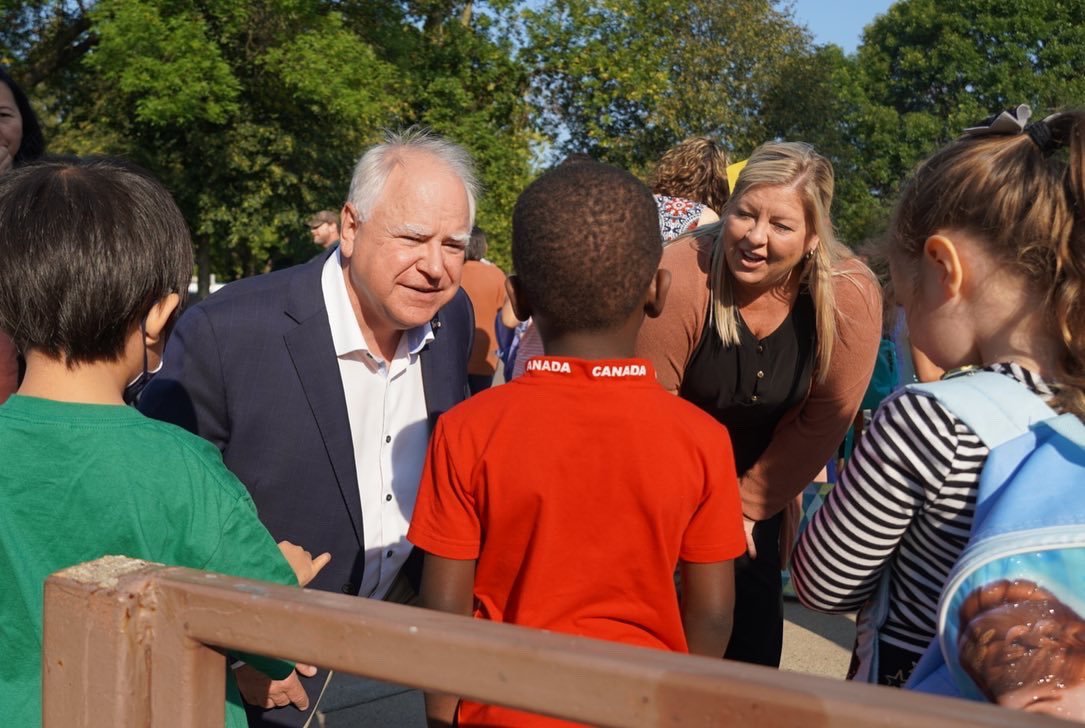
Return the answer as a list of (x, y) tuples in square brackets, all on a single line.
[(81, 481)]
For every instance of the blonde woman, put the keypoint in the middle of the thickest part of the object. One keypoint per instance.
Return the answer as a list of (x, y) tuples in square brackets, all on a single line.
[(772, 327)]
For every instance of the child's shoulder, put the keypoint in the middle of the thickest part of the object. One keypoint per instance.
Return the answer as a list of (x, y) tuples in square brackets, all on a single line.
[(184, 454)]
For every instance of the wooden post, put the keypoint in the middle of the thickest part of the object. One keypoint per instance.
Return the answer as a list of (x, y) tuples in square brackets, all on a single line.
[(94, 647), (106, 644)]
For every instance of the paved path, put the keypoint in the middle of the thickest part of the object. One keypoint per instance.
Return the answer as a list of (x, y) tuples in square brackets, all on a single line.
[(817, 643)]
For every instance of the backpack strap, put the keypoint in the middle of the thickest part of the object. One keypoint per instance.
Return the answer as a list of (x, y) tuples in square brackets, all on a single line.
[(996, 407)]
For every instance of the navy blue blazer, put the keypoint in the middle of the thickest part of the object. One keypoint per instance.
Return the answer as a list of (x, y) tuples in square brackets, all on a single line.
[(253, 369)]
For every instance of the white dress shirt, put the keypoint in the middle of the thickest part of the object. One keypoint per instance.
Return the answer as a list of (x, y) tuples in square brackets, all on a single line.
[(386, 406)]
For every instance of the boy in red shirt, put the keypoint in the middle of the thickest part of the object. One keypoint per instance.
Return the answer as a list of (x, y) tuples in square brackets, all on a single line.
[(564, 500)]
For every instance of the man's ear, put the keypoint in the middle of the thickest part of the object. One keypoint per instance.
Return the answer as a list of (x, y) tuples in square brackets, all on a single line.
[(941, 258), (348, 230), (657, 293), (159, 316), (521, 306)]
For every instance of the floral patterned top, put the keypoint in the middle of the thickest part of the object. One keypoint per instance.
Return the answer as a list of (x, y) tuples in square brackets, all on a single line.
[(677, 215)]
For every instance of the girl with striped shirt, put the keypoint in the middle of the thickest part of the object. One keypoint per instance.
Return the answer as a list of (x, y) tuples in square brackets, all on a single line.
[(987, 257)]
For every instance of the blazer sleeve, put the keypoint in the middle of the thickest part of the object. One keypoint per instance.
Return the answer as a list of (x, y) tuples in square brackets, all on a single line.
[(807, 436), (190, 391)]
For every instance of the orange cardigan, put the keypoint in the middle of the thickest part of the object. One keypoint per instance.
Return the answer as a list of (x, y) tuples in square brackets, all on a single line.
[(806, 436)]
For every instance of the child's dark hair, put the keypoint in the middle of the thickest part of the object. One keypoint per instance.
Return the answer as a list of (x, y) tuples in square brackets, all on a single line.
[(585, 245), (1025, 195), (86, 248), (1016, 634), (32, 147)]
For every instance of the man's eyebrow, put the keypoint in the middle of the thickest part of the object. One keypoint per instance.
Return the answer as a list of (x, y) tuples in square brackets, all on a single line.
[(461, 238), (408, 228)]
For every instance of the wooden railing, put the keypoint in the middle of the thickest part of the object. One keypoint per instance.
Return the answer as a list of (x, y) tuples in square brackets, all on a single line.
[(127, 643)]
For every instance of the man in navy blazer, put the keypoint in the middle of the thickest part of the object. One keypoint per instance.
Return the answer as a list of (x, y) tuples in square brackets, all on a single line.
[(320, 384)]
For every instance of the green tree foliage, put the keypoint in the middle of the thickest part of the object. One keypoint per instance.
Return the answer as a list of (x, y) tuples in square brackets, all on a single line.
[(626, 79), (930, 68), (253, 113)]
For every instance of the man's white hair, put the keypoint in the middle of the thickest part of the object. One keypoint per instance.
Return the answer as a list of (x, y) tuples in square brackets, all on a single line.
[(372, 171)]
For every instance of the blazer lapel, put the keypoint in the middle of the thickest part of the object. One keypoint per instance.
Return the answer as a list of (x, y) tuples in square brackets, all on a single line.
[(313, 354)]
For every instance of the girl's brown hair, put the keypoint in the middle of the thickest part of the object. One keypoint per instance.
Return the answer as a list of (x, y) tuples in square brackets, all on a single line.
[(1024, 194)]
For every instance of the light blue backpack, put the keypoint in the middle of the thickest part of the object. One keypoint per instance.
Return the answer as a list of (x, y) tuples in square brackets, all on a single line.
[(1029, 524)]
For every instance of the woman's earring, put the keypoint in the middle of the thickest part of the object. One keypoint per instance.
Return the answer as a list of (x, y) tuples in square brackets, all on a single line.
[(809, 254)]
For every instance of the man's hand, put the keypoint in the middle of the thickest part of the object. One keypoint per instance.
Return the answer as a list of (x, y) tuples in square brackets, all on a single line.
[(302, 562), (751, 548), (260, 690)]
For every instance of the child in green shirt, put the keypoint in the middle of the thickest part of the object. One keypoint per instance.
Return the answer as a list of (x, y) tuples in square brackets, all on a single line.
[(94, 260)]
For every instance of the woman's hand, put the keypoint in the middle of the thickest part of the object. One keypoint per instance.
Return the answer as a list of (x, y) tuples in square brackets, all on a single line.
[(751, 548)]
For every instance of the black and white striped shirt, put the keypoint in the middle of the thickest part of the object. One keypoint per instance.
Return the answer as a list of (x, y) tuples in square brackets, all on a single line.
[(905, 503)]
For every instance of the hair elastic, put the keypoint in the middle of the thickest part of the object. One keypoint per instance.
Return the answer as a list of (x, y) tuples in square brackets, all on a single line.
[(1040, 133)]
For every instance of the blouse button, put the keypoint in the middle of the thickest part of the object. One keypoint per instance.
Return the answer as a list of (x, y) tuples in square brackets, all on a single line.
[(760, 375), (760, 348), (753, 398)]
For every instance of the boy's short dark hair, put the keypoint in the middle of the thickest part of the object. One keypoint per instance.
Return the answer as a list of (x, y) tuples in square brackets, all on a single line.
[(585, 245), (87, 246)]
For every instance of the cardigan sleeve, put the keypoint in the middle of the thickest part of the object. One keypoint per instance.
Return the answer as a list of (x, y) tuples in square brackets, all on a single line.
[(807, 436), (668, 341)]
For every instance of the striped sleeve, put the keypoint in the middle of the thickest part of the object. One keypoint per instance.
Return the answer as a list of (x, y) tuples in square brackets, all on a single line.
[(903, 485)]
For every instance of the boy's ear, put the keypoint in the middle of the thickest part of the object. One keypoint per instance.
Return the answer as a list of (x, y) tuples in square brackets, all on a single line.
[(521, 306), (940, 255), (657, 293), (159, 316)]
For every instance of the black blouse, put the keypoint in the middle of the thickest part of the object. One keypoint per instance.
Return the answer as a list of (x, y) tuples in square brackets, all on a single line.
[(749, 387)]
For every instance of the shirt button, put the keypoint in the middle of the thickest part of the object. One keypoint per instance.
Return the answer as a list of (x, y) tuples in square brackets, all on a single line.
[(388, 497), (387, 438), (760, 348), (754, 398), (347, 588), (760, 375), (389, 554)]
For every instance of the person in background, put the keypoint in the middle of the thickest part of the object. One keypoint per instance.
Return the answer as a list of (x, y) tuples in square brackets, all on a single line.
[(690, 186), (21, 141), (985, 251), (325, 229), (485, 286), (772, 327), (521, 480)]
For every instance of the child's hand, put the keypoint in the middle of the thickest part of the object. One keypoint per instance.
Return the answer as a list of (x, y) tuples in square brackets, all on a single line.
[(302, 562), (260, 690)]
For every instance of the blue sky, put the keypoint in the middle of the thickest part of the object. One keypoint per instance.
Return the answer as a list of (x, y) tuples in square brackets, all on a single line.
[(838, 21)]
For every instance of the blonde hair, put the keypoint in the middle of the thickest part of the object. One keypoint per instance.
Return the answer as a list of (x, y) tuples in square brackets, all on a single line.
[(695, 169), (795, 165), (1028, 207)]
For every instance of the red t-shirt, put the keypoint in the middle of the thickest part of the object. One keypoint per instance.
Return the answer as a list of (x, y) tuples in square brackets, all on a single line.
[(578, 487)]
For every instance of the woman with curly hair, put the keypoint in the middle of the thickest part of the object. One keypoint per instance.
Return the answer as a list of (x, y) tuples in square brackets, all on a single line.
[(690, 186)]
